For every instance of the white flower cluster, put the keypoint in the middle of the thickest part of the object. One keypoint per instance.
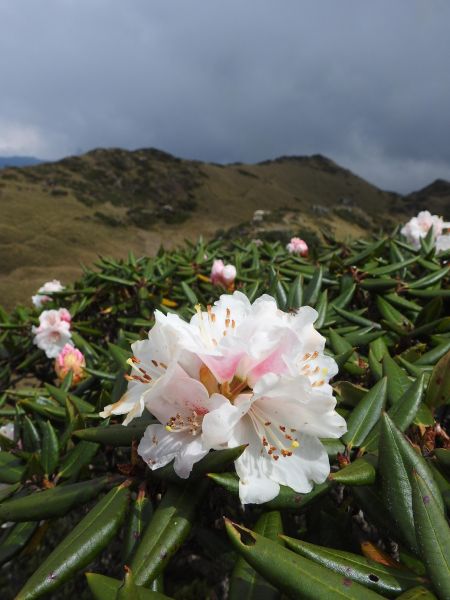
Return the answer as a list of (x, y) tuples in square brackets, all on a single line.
[(418, 227), (238, 373)]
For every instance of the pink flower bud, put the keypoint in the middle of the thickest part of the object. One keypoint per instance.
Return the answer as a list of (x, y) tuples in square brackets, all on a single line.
[(65, 315), (297, 246), (223, 275), (70, 359)]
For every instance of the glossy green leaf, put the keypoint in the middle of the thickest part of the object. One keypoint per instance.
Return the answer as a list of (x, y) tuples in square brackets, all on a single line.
[(417, 593), (397, 380), (312, 290), (294, 575), (245, 582), (50, 448), (438, 391), (50, 503), (366, 414), (106, 588), (16, 539), (397, 459), (373, 575), (138, 519), (166, 531), (433, 534), (80, 547), (12, 468), (359, 472)]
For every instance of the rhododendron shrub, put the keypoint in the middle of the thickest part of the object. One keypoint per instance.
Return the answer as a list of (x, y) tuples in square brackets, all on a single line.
[(238, 373), (234, 408)]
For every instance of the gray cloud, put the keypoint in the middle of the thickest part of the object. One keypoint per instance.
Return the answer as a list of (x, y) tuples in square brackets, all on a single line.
[(364, 83)]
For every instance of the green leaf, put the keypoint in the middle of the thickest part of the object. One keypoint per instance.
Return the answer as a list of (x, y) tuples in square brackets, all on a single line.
[(352, 318), (17, 538), (366, 414), (434, 355), (11, 468), (359, 472), (373, 575), (140, 515), (438, 391), (397, 459), (402, 413), (397, 380), (81, 546), (295, 293), (294, 575), (78, 457), (50, 448), (114, 435), (313, 288), (189, 293), (429, 279), (245, 582), (106, 588), (55, 502), (417, 593), (166, 531), (433, 534), (31, 438)]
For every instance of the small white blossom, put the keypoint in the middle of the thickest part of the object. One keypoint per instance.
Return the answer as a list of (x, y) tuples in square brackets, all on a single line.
[(53, 332), (41, 297)]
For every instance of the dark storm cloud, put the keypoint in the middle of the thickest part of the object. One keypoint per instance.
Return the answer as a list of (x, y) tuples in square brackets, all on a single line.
[(244, 80)]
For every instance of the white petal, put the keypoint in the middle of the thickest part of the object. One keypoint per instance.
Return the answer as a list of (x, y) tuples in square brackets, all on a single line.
[(191, 452), (254, 470), (218, 424), (158, 446), (308, 464)]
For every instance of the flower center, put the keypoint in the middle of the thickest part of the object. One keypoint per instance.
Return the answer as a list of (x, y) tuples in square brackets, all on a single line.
[(190, 423)]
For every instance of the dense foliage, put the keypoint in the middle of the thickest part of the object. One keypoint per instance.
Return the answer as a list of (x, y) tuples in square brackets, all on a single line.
[(78, 497)]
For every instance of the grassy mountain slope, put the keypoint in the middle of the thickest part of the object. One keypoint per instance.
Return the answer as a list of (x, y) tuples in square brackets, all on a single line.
[(57, 215)]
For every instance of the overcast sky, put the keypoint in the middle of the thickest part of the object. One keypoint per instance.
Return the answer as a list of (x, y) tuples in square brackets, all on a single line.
[(364, 82)]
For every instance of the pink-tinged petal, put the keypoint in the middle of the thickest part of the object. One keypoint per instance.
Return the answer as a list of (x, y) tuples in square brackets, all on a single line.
[(131, 401), (223, 367)]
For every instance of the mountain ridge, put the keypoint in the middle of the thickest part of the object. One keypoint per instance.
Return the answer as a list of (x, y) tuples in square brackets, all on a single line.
[(108, 201)]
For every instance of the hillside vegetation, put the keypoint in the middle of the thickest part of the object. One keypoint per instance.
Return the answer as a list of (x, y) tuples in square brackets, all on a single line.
[(56, 216)]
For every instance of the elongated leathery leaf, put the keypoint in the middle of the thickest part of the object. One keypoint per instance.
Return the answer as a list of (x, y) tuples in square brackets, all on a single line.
[(106, 588), (417, 593), (438, 391), (397, 380), (166, 531), (296, 576), (366, 414), (18, 536), (90, 536), (378, 577), (245, 582), (51, 503), (433, 535), (139, 517), (402, 413), (397, 459), (50, 448), (359, 472)]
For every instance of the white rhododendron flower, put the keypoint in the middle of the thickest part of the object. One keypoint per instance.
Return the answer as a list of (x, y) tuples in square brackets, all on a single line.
[(418, 227), (297, 246), (238, 373), (41, 298), (53, 332)]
